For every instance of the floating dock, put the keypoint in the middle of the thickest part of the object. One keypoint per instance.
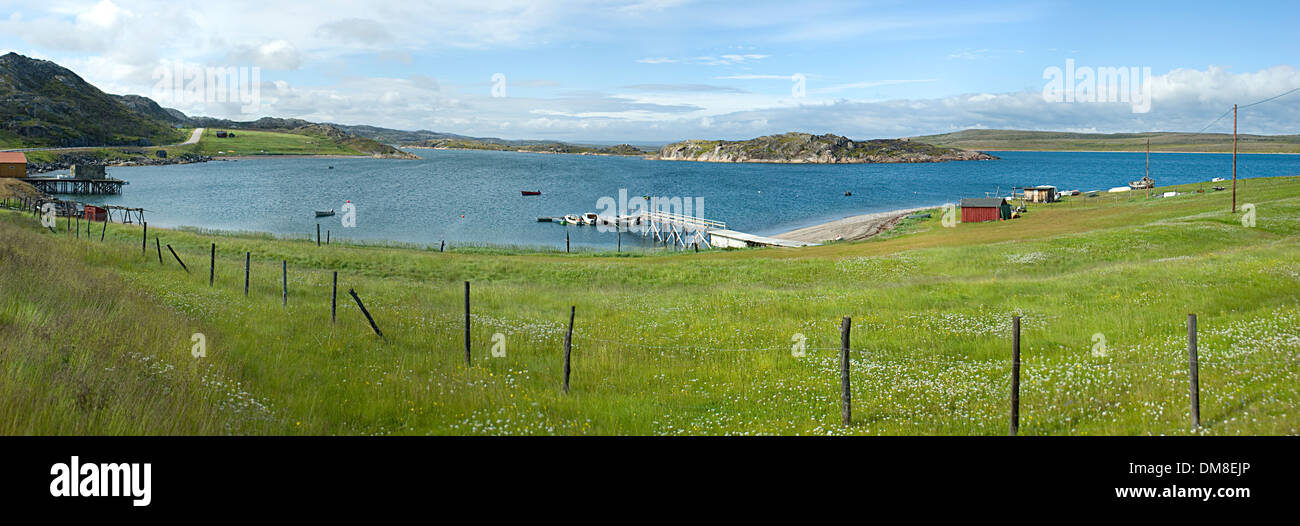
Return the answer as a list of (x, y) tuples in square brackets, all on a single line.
[(731, 238)]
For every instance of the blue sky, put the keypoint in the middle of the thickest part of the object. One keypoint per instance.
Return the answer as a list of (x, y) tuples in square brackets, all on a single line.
[(661, 70)]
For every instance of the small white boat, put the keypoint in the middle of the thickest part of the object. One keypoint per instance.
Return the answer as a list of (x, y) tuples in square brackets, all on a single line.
[(1216, 179), (589, 218), (571, 219)]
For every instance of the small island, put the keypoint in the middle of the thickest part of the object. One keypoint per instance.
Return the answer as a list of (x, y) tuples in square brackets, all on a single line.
[(797, 147)]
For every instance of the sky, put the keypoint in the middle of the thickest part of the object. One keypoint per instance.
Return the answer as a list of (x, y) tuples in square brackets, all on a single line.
[(652, 71)]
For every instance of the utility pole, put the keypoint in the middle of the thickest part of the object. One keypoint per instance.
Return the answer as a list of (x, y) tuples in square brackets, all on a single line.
[(1234, 158)]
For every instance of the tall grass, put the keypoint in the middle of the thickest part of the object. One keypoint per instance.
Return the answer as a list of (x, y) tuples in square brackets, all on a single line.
[(95, 337)]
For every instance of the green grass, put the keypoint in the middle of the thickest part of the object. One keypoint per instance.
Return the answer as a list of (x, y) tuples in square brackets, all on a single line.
[(95, 337), (1111, 142), (251, 142)]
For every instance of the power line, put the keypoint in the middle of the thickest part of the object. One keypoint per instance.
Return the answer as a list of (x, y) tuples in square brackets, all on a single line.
[(1225, 114)]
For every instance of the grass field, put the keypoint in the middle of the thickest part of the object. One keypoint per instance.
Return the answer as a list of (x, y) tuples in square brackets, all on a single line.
[(251, 142), (1113, 142), (95, 337)]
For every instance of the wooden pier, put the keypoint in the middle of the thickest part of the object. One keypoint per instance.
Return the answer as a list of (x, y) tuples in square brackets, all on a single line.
[(86, 186), (684, 231)]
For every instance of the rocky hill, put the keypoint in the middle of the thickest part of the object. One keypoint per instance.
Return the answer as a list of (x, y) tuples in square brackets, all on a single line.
[(808, 148), (45, 104), (470, 143)]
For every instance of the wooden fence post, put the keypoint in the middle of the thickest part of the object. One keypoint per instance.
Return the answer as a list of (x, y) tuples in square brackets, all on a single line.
[(1015, 375), (366, 313), (846, 398), (566, 241), (178, 258), (443, 247), (78, 234), (212, 265), (327, 236), (104, 230), (248, 257), (284, 281), (568, 347), (620, 241), (467, 362), (144, 241), (334, 298), (1193, 367), (318, 234), (156, 244)]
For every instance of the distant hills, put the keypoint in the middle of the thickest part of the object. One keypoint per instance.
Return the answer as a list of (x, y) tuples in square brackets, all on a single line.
[(1110, 142), (808, 148), (43, 104)]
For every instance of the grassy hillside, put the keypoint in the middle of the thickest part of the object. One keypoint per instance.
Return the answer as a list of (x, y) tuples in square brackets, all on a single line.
[(671, 343), (44, 104), (310, 140), (1099, 142)]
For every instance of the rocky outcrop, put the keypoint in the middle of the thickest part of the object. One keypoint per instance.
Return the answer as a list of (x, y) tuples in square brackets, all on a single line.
[(820, 149), (66, 160)]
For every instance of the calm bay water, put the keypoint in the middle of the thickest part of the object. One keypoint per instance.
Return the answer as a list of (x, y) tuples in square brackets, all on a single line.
[(473, 196)]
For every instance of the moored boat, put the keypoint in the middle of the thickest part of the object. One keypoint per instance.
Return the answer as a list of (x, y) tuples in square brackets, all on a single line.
[(589, 218), (572, 219), (324, 213), (530, 192)]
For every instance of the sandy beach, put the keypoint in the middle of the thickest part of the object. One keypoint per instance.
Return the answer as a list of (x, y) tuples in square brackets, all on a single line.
[(850, 228)]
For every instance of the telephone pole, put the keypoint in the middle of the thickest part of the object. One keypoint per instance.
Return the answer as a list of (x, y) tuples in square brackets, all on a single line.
[(1234, 158)]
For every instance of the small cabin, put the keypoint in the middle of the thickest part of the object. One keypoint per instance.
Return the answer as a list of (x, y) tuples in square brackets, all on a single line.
[(1041, 194), (13, 164), (975, 210), (86, 171), (95, 213)]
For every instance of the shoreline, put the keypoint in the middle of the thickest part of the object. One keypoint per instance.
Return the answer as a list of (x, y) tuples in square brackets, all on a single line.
[(851, 228), (1135, 151)]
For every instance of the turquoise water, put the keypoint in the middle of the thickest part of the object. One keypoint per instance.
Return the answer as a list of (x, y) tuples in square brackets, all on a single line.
[(473, 196)]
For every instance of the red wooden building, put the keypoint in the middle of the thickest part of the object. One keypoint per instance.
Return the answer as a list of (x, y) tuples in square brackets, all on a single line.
[(975, 210)]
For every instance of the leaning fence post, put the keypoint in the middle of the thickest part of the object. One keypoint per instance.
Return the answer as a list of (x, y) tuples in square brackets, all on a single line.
[(568, 347), (156, 244), (366, 312), (334, 298), (1015, 375), (467, 323), (248, 256), (178, 258), (1193, 367), (846, 398), (104, 230), (284, 281)]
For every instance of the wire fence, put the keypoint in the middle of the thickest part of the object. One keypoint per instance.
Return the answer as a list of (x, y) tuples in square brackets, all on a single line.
[(583, 339)]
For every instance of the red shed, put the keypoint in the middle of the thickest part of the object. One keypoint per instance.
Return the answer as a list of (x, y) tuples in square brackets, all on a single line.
[(984, 209), (95, 213)]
